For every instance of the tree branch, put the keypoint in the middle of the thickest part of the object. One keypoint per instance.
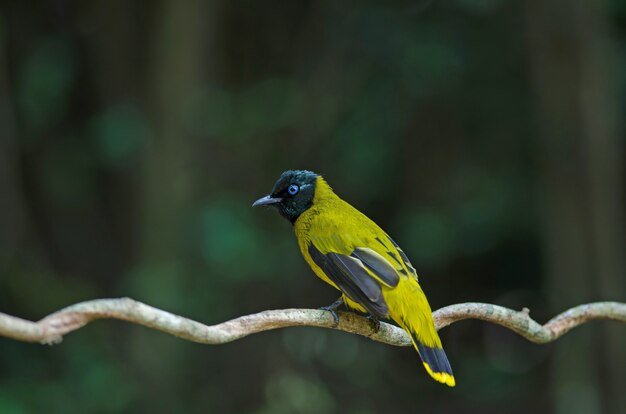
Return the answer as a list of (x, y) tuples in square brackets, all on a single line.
[(52, 328)]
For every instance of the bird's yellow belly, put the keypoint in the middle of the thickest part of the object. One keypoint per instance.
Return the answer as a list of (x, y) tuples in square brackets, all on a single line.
[(353, 305), (320, 273), (349, 302)]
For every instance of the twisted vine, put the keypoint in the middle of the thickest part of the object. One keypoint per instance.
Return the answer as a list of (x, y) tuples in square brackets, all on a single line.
[(53, 327)]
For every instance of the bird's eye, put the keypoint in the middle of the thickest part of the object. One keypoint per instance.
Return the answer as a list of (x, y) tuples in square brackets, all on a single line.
[(293, 189)]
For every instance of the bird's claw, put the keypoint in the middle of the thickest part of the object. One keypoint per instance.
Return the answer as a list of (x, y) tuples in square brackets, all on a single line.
[(375, 322), (332, 308), (335, 316)]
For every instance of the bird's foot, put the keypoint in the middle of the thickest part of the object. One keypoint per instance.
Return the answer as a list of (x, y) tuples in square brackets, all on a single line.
[(375, 322), (332, 308)]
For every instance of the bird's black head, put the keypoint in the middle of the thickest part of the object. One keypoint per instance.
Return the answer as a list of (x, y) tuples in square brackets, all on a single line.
[(292, 194)]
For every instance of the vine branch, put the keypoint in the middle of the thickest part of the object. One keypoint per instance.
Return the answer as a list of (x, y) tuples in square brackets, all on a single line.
[(53, 327)]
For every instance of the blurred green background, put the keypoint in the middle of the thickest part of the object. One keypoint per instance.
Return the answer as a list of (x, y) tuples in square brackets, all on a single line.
[(485, 136)]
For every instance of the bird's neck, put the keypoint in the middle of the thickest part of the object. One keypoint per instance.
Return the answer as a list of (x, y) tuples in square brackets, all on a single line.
[(323, 192), (324, 198)]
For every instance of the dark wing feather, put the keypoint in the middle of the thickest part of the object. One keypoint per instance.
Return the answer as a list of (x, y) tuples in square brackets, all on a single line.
[(378, 265), (405, 259), (349, 267), (352, 279)]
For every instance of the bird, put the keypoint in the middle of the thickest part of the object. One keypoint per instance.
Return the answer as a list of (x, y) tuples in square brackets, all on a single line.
[(353, 254)]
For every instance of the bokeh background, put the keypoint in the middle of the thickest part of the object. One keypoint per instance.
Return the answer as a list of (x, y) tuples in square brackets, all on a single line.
[(486, 136)]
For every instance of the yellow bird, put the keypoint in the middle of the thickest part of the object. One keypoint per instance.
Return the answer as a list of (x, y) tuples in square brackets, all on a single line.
[(350, 252)]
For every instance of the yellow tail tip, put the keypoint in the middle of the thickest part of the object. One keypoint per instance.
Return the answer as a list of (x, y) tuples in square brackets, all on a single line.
[(442, 377)]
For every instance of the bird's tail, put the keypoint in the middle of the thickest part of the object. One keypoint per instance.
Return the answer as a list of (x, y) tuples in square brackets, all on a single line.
[(410, 309), (435, 361)]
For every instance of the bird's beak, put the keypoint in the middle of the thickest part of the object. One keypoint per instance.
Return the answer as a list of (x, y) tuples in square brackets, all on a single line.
[(263, 201)]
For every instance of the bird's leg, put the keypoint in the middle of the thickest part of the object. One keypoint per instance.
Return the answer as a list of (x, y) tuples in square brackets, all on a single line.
[(375, 322), (332, 308)]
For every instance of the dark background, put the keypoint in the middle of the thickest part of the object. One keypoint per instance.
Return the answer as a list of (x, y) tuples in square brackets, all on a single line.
[(486, 136)]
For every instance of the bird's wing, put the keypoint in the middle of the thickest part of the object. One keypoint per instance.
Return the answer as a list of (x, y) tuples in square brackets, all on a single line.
[(394, 251), (358, 269)]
